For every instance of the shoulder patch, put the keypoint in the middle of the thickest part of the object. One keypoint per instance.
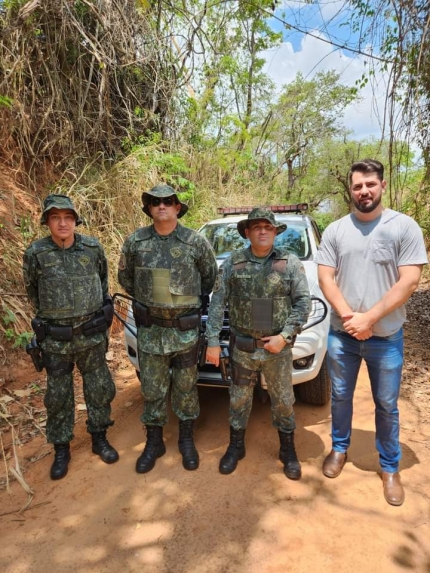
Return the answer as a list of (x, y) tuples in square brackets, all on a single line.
[(122, 262), (217, 284)]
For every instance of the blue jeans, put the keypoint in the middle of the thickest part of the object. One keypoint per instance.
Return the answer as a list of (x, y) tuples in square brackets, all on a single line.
[(384, 359)]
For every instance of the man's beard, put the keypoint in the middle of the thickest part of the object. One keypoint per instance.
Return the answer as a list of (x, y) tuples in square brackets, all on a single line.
[(368, 208)]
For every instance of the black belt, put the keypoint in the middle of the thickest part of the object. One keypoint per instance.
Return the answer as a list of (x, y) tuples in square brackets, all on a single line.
[(66, 333), (75, 330), (167, 323), (143, 317), (248, 344), (185, 322)]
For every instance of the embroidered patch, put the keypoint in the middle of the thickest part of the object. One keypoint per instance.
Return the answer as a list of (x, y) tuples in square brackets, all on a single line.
[(217, 284), (176, 252), (84, 260), (274, 278)]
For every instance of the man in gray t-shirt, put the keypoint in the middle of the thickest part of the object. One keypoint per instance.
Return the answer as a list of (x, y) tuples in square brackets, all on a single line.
[(369, 264)]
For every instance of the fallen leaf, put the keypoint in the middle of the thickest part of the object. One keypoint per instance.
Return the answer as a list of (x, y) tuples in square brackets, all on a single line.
[(22, 393)]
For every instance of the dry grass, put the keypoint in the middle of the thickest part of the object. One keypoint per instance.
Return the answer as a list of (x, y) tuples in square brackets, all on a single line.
[(109, 202), (81, 77), (13, 469)]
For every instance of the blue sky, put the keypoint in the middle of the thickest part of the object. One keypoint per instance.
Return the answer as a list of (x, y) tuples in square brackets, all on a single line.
[(327, 20), (329, 17)]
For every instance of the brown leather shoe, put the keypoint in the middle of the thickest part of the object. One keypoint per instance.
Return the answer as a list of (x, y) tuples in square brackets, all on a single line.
[(393, 490), (333, 464)]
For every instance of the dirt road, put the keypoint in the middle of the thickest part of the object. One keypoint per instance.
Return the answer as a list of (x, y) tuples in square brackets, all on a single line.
[(107, 518)]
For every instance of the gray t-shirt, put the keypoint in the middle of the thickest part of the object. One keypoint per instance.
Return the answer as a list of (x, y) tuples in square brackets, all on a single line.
[(366, 257)]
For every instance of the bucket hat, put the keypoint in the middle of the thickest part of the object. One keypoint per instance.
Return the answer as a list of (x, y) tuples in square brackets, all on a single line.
[(161, 191), (59, 202), (264, 214)]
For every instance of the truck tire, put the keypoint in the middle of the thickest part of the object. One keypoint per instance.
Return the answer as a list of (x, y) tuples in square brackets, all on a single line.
[(318, 390)]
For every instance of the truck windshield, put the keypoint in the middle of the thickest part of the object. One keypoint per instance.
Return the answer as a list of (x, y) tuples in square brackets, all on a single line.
[(225, 238)]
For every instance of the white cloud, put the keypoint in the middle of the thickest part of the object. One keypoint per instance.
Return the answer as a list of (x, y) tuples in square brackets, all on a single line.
[(314, 56), (332, 8)]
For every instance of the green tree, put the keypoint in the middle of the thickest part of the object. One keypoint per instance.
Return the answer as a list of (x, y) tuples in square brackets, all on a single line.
[(229, 86), (398, 32), (307, 112)]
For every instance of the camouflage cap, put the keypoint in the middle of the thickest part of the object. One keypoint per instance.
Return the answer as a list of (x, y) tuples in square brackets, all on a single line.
[(59, 202), (162, 190), (257, 214)]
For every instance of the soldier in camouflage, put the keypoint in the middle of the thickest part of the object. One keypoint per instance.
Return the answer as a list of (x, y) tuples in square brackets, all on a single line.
[(168, 269), (267, 294), (66, 279)]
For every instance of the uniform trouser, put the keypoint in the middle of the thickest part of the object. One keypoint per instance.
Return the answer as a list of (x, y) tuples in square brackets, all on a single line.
[(156, 381), (384, 360), (277, 371), (99, 391)]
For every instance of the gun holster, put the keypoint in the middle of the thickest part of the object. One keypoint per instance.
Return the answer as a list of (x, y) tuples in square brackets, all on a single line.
[(107, 310), (141, 314), (242, 376), (39, 329), (203, 346), (35, 352), (95, 325)]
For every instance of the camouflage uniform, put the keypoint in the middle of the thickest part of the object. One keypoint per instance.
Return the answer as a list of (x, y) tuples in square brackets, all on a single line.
[(279, 279), (67, 287), (192, 269)]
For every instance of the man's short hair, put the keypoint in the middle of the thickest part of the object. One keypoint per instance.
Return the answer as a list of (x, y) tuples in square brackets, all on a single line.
[(367, 166)]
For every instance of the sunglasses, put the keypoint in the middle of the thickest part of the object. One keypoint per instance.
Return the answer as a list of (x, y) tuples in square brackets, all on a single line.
[(156, 201)]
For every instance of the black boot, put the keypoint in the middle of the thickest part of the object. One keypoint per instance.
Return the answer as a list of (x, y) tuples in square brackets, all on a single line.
[(235, 451), (190, 456), (154, 449), (102, 448), (288, 456), (61, 461)]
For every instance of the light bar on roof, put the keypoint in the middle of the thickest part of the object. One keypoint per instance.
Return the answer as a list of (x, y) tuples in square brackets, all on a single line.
[(297, 208)]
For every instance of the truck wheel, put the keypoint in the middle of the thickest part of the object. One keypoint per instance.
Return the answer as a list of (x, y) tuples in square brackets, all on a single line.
[(318, 390)]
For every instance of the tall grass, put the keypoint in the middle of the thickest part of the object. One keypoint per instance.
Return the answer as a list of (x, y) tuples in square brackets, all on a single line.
[(109, 199)]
